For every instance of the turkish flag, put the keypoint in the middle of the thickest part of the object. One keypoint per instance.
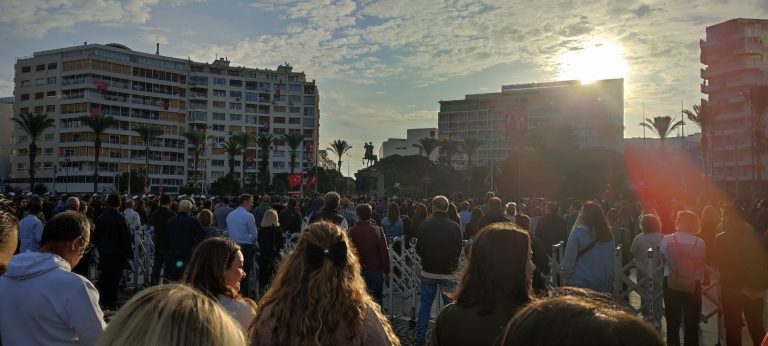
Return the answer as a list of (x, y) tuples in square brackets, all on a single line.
[(311, 182), (295, 180)]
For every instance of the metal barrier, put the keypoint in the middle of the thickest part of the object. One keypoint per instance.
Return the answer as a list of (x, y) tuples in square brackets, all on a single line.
[(140, 273)]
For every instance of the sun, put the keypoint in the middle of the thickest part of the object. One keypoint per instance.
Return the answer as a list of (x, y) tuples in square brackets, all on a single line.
[(595, 60)]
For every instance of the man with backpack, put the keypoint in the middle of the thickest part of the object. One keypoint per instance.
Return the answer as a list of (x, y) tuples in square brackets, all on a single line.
[(372, 249)]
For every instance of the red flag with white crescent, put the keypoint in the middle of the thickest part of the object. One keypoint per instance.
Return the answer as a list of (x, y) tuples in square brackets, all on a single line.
[(295, 179), (312, 181)]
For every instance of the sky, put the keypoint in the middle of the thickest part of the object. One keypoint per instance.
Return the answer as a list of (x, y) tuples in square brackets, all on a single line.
[(382, 66)]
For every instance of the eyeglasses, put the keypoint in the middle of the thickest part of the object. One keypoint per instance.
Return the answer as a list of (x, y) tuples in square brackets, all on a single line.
[(88, 246)]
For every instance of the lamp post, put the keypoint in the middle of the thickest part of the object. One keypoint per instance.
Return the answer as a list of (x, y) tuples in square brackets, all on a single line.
[(346, 181)]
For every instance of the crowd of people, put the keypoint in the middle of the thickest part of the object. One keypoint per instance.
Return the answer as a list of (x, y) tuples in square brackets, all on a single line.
[(209, 253)]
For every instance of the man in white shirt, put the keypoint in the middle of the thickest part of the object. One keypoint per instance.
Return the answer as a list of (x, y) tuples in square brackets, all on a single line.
[(242, 230), (31, 229), (131, 216)]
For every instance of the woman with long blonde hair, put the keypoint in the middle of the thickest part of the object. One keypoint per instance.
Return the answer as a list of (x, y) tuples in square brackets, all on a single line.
[(318, 297)]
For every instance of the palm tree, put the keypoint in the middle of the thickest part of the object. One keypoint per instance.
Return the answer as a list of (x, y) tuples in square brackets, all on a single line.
[(148, 134), (427, 145), (294, 141), (757, 97), (339, 147), (448, 147), (703, 116), (662, 126), (264, 141), (244, 140), (469, 146), (98, 125), (196, 138), (34, 125), (232, 148)]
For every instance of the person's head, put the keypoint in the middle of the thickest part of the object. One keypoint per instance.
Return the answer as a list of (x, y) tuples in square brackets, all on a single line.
[(420, 211), (72, 203), (292, 203), (172, 315), (344, 203), (476, 215), (23, 202), (687, 221), (569, 320), (318, 288), (452, 210), (246, 201), (225, 200), (393, 212), (551, 208), (465, 206), (332, 200), (265, 199), (9, 231), (494, 204), (216, 267), (575, 206), (165, 201), (113, 201), (650, 223), (185, 206), (511, 209), (205, 217), (35, 209), (270, 219), (709, 218), (68, 235), (83, 209), (732, 217), (489, 195), (592, 216), (499, 266), (363, 212), (439, 204), (129, 203), (524, 222)]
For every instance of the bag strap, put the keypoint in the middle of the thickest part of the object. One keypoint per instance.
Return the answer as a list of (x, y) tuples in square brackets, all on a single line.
[(586, 249)]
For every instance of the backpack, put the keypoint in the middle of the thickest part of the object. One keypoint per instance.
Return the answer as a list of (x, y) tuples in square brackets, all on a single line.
[(683, 267)]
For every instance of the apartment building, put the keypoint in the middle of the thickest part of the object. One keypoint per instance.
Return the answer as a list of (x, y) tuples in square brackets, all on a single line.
[(142, 89), (6, 146), (495, 119), (736, 58), (406, 146)]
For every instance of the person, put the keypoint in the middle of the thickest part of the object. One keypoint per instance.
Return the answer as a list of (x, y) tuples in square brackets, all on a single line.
[(259, 211), (289, 218), (493, 213), (577, 319), (683, 255), (185, 233), (588, 258), (551, 228), (739, 254), (496, 282), (510, 211), (372, 250), (393, 224), (419, 215), (474, 223), (43, 302), (650, 237), (31, 229), (320, 293), (329, 213), (141, 209), (113, 241), (271, 242), (205, 217), (220, 214), (242, 230), (72, 203), (453, 214), (539, 255), (172, 315), (710, 221), (9, 231), (216, 268), (159, 220), (465, 216), (131, 216), (570, 218), (439, 247), (347, 210)]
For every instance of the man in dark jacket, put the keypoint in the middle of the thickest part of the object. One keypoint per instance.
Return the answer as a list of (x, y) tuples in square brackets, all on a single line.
[(185, 233), (439, 246), (551, 228), (329, 213), (112, 239), (372, 249), (494, 213), (159, 220), (290, 219)]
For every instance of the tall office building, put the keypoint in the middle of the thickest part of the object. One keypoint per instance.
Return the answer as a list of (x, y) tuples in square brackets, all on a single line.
[(147, 89), (495, 119), (736, 56)]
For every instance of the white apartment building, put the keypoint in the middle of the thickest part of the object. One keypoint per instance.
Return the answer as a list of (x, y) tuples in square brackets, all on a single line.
[(6, 146), (406, 146)]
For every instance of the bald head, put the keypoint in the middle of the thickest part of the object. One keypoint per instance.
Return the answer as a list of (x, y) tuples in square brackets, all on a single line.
[(185, 206), (439, 203)]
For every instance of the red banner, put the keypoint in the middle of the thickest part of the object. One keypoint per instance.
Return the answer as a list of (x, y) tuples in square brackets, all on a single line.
[(311, 182), (295, 180)]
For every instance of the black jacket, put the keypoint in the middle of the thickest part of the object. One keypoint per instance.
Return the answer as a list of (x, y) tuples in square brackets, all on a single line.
[(185, 234), (270, 241), (551, 230), (327, 215), (439, 244), (111, 235), (290, 220), (159, 220), (489, 218)]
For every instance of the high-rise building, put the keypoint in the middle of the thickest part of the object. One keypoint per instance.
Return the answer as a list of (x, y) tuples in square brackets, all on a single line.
[(736, 56), (594, 111), (406, 146), (6, 146), (137, 89)]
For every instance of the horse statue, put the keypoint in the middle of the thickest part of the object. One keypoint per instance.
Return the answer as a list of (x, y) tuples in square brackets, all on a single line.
[(369, 158)]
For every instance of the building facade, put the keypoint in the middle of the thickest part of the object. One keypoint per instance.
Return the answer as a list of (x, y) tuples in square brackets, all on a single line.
[(6, 145), (736, 58), (502, 121), (141, 89), (406, 146)]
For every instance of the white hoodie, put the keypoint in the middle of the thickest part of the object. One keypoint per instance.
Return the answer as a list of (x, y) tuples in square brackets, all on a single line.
[(43, 303)]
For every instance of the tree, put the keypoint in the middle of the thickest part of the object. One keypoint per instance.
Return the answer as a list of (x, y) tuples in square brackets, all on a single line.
[(196, 138), (427, 146), (339, 147), (34, 125), (264, 141), (294, 141), (469, 146), (703, 116), (662, 126), (148, 134), (98, 124), (244, 140), (448, 147), (757, 97), (232, 148)]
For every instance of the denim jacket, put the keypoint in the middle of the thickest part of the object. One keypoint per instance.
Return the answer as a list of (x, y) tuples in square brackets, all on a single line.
[(594, 269)]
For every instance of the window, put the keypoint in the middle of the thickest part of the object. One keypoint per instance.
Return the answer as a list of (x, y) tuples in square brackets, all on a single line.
[(309, 111), (25, 69), (278, 153), (22, 139), (294, 99), (294, 121), (219, 81), (51, 93), (235, 105), (40, 81), (293, 78), (219, 104), (50, 108), (25, 83), (20, 165), (235, 117), (217, 163), (39, 95), (309, 122), (51, 80), (280, 109), (48, 137), (219, 116), (235, 83), (278, 164), (219, 93), (279, 131), (279, 120), (309, 100), (237, 94), (218, 128), (40, 67), (52, 66), (48, 151), (25, 97)]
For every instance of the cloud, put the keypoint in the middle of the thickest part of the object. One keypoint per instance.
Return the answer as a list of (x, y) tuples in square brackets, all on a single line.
[(36, 18), (6, 88)]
